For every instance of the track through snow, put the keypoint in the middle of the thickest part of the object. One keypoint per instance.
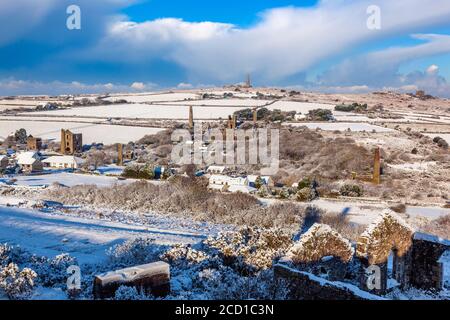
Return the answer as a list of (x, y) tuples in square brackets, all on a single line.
[(86, 239)]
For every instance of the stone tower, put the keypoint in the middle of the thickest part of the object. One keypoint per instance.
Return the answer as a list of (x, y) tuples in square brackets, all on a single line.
[(119, 154), (191, 117), (63, 141), (255, 116), (71, 143), (248, 81), (377, 167)]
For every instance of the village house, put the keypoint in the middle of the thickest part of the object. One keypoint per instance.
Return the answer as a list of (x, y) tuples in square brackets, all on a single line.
[(29, 162), (63, 162), (3, 162), (34, 144), (230, 184)]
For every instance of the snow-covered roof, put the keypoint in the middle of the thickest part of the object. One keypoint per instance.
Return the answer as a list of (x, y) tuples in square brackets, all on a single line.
[(231, 181), (445, 257), (431, 238), (27, 158), (70, 160)]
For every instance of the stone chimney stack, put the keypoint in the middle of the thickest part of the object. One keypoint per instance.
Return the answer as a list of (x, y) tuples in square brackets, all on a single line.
[(230, 123), (191, 117), (119, 154), (63, 141), (233, 122), (377, 167), (255, 116)]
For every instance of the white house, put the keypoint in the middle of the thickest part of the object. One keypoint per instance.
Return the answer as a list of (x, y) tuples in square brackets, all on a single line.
[(63, 162), (29, 161), (231, 184)]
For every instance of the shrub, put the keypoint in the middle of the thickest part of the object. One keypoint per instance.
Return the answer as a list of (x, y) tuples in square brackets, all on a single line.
[(126, 293), (305, 183), (351, 190), (315, 156), (440, 142), (250, 249), (320, 115), (15, 282), (304, 195), (134, 252), (355, 107), (399, 208), (138, 172), (9, 254), (182, 255)]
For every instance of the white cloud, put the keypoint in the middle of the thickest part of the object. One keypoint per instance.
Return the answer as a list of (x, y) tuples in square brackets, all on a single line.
[(380, 68), (183, 85), (433, 69), (21, 87), (138, 86), (20, 16), (285, 42)]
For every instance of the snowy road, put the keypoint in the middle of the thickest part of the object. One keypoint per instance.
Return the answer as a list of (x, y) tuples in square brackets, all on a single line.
[(86, 239)]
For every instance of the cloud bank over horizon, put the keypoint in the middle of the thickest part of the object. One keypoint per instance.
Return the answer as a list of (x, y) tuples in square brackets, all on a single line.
[(326, 46)]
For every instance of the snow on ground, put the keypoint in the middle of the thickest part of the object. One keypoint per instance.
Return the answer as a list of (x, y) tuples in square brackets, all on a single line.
[(154, 97), (145, 111), (364, 213), (111, 170), (415, 166), (341, 126), (86, 239), (65, 178), (30, 117), (107, 134), (243, 103)]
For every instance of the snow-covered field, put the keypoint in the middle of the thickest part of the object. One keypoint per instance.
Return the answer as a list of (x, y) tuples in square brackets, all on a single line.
[(364, 213), (86, 239), (145, 111), (415, 166), (154, 97), (226, 102), (65, 178), (107, 134), (341, 126)]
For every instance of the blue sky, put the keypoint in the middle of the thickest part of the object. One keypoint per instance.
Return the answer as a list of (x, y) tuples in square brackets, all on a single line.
[(134, 45)]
